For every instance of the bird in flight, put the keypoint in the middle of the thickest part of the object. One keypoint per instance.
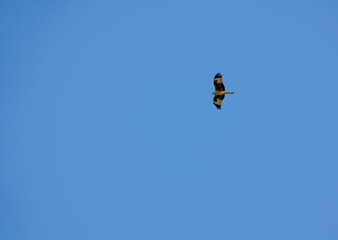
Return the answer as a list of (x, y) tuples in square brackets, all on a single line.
[(219, 90)]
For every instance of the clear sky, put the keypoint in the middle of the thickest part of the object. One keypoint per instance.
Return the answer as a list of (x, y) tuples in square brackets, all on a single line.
[(108, 130)]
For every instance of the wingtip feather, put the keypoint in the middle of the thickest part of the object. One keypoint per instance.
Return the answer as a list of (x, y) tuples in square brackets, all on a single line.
[(218, 75)]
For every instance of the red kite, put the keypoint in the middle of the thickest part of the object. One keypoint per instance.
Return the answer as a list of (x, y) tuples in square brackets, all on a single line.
[(219, 90)]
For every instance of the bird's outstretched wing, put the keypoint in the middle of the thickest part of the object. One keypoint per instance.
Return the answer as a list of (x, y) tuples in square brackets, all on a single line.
[(218, 83), (218, 101)]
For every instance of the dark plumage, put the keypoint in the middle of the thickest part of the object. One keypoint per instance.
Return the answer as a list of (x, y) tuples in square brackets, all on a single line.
[(218, 101), (219, 90), (218, 75), (219, 86)]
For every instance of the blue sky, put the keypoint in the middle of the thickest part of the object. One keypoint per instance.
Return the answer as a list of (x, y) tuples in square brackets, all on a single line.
[(108, 131)]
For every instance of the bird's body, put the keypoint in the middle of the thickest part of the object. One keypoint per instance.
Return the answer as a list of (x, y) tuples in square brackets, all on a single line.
[(219, 90), (219, 93)]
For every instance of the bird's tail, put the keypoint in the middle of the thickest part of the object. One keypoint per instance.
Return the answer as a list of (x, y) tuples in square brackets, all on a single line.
[(230, 93)]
